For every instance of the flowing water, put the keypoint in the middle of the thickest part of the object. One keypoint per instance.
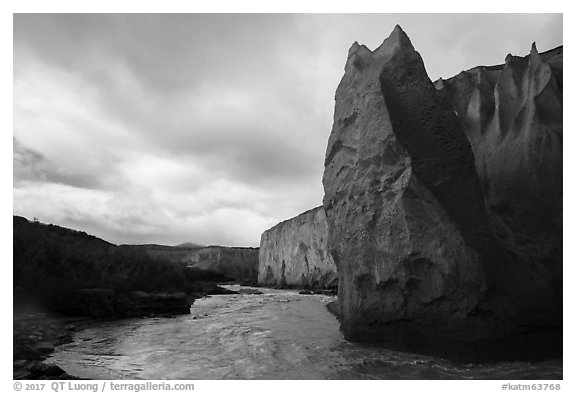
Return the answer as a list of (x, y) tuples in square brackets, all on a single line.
[(277, 335)]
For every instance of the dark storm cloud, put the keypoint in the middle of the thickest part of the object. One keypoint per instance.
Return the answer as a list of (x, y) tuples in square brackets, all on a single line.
[(205, 128), (167, 52), (179, 81)]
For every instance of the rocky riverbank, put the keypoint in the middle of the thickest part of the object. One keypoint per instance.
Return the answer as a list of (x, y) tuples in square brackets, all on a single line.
[(107, 303), (35, 336)]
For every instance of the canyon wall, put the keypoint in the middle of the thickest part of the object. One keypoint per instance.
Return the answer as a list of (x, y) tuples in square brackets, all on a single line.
[(294, 253), (239, 263), (425, 261)]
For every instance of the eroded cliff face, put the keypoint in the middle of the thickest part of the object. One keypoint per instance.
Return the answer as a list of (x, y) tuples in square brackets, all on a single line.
[(240, 263), (294, 253), (512, 115), (421, 262)]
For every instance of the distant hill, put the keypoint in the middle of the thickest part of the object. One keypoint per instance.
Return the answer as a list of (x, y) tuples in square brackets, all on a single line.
[(174, 254), (240, 263), (190, 245), (234, 263), (24, 229), (52, 263)]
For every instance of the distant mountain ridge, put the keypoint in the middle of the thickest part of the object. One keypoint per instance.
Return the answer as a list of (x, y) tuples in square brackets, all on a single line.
[(190, 245), (56, 266), (47, 250)]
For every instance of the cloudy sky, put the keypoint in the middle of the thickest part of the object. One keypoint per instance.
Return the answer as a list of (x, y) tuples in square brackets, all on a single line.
[(204, 128)]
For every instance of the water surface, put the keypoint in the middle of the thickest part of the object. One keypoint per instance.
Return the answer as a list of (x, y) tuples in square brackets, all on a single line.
[(277, 335)]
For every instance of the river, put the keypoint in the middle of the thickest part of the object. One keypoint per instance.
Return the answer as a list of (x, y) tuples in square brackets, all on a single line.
[(277, 335)]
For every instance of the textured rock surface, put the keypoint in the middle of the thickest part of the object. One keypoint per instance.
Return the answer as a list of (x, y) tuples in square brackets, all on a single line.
[(294, 253), (235, 262), (512, 115), (420, 262), (35, 336)]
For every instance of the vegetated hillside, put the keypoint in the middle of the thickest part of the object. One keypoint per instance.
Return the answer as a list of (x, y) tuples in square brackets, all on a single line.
[(218, 263), (52, 263), (173, 254), (237, 263)]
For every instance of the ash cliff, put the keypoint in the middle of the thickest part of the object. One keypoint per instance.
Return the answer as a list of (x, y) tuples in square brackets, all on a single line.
[(294, 253), (443, 203), (512, 115)]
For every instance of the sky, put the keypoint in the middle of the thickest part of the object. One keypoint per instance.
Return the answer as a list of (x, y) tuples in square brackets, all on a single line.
[(204, 128)]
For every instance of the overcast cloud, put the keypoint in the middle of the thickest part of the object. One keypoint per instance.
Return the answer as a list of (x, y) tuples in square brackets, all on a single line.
[(204, 128)]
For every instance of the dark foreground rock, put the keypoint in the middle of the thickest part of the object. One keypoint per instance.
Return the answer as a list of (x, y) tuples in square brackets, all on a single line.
[(34, 338), (37, 370), (334, 308), (422, 261)]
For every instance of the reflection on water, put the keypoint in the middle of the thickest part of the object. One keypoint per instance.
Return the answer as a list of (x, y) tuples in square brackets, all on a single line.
[(277, 335)]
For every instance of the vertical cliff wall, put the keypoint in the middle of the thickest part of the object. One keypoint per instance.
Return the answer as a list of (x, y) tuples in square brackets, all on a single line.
[(294, 253), (235, 262), (421, 260), (512, 115)]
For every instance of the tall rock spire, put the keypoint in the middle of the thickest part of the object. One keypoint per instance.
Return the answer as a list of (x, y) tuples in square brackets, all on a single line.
[(419, 258)]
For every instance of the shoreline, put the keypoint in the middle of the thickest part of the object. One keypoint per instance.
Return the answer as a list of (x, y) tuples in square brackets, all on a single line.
[(37, 332), (35, 336)]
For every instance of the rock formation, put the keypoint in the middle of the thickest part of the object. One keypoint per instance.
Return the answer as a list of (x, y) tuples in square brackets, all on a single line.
[(35, 337), (422, 262), (294, 253), (512, 116), (239, 263)]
